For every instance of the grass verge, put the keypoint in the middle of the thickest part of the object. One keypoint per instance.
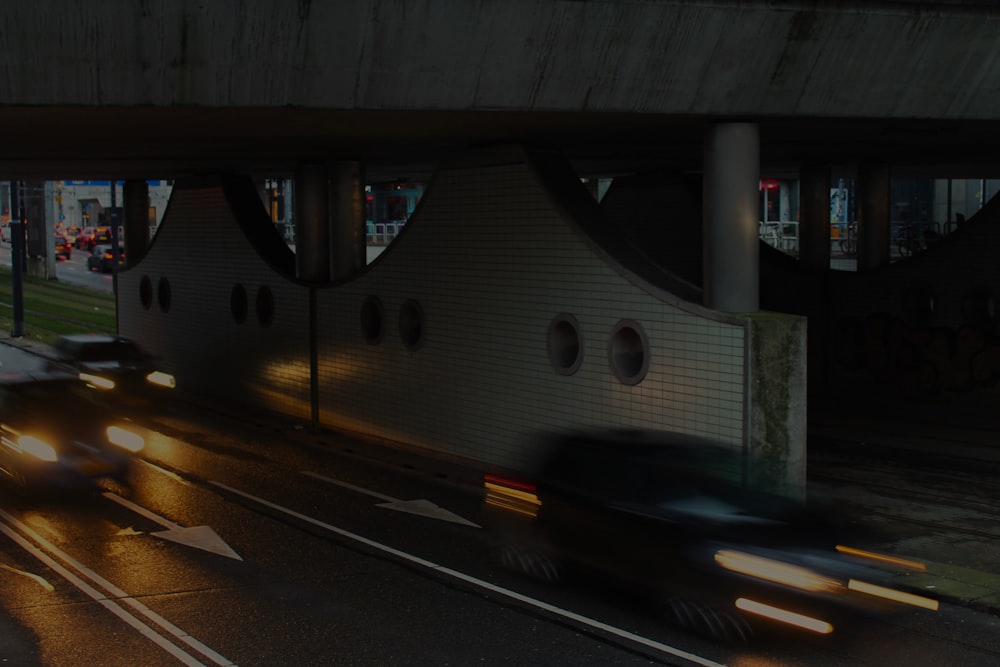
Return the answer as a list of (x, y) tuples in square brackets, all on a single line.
[(52, 308)]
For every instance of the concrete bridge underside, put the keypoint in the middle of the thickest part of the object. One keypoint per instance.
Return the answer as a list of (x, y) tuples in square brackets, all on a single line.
[(165, 89), (171, 88)]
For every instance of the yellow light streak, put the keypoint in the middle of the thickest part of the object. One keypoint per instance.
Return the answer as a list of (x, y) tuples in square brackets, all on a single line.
[(784, 616), (125, 439), (892, 594), (776, 571), (516, 500), (882, 558), (162, 379), (97, 381)]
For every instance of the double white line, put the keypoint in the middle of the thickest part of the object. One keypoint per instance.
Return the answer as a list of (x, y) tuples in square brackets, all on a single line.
[(115, 600)]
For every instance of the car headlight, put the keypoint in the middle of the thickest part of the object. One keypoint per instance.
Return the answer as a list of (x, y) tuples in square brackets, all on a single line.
[(40, 449), (125, 439), (162, 379), (775, 571), (97, 381)]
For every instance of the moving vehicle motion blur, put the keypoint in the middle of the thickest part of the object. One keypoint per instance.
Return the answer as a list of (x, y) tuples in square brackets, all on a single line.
[(52, 436), (102, 259), (670, 514), (112, 363)]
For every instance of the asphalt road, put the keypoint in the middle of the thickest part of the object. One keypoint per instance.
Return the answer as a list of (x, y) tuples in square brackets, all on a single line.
[(72, 271), (253, 542)]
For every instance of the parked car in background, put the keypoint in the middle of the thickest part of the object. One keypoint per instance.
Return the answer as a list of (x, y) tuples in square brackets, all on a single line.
[(103, 260), (670, 516), (54, 437), (112, 363), (85, 239), (63, 246)]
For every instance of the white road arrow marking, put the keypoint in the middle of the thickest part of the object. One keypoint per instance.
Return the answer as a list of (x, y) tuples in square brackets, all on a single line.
[(419, 507), (199, 537)]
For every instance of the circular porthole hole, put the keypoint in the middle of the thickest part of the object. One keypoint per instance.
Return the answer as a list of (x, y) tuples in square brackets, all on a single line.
[(628, 352), (146, 292), (163, 294), (411, 324), (238, 303), (565, 344), (372, 316), (265, 306)]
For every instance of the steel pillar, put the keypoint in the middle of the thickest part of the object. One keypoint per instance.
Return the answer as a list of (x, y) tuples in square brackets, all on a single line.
[(731, 202), (814, 217), (874, 185), (312, 222), (136, 210), (347, 218)]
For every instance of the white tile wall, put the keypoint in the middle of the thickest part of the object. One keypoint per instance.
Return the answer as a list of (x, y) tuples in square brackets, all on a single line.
[(491, 259)]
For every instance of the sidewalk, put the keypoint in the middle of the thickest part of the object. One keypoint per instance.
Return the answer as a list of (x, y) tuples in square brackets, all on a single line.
[(926, 487)]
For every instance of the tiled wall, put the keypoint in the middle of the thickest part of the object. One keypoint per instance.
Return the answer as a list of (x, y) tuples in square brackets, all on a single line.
[(201, 254), (489, 259)]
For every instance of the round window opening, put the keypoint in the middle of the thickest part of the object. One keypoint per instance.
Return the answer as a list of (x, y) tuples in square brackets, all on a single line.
[(163, 294), (372, 315), (565, 345), (238, 303), (265, 306), (411, 325), (146, 292), (628, 352)]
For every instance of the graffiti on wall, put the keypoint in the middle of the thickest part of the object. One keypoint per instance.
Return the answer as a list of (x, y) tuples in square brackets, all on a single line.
[(919, 360)]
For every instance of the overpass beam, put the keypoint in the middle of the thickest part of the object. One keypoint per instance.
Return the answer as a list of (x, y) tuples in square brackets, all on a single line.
[(312, 222), (136, 194), (731, 225), (347, 209), (874, 192), (814, 218)]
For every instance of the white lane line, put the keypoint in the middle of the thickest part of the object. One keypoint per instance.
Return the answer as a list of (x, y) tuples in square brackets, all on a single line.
[(117, 593), (359, 489), (558, 611), (30, 575)]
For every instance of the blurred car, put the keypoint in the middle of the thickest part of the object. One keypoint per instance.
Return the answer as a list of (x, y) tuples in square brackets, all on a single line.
[(72, 232), (102, 235), (102, 259), (63, 246), (53, 437), (85, 239), (670, 515), (112, 363)]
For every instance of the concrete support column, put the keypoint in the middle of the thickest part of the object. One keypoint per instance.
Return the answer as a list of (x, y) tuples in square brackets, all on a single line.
[(873, 215), (814, 217), (312, 222), (731, 203), (136, 205), (347, 218)]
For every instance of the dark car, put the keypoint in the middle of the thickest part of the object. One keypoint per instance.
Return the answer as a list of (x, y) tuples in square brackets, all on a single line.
[(670, 515), (102, 235), (102, 259), (63, 246), (53, 436), (113, 363)]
